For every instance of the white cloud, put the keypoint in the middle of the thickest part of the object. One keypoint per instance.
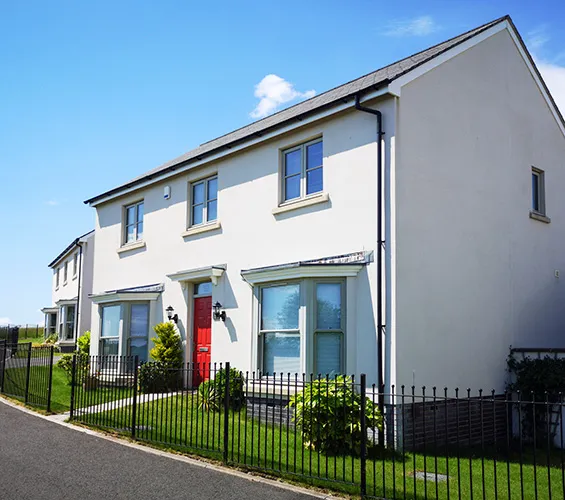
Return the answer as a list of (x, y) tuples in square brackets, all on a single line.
[(52, 203), (6, 321), (273, 91), (420, 26), (552, 72)]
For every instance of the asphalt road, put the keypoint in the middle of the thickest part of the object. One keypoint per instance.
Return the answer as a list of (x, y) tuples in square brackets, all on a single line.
[(44, 460)]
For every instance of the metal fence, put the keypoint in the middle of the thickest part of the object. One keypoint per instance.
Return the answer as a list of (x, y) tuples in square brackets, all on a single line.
[(26, 373), (334, 432)]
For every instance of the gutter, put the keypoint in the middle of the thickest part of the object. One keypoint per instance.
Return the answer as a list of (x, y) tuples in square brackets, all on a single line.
[(77, 313), (380, 240)]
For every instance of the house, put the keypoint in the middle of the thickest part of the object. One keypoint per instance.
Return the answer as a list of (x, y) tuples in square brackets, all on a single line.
[(70, 313), (408, 224)]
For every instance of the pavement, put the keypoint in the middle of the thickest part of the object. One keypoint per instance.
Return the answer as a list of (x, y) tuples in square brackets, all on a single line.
[(41, 459)]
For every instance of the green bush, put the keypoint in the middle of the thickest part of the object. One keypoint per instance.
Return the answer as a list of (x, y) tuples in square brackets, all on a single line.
[(213, 392), (83, 344), (52, 339), (328, 413), (66, 363), (158, 377), (168, 346)]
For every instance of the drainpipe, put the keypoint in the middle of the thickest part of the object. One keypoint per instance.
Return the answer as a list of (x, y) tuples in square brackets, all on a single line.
[(380, 241), (77, 312)]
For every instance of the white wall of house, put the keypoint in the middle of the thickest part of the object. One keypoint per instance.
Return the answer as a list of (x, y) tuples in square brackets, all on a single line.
[(474, 273), (251, 236)]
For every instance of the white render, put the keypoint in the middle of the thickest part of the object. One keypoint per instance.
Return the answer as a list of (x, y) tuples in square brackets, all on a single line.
[(66, 293), (468, 272)]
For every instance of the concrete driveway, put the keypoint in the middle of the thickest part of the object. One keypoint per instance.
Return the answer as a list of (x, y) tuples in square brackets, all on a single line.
[(40, 459)]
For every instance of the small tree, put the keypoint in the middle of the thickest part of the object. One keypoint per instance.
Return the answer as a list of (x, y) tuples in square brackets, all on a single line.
[(84, 344), (168, 346)]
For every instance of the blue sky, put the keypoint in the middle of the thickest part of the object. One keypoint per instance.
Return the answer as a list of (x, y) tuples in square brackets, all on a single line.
[(95, 93)]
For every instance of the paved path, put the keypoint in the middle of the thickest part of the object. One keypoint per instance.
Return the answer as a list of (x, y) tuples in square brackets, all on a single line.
[(44, 460)]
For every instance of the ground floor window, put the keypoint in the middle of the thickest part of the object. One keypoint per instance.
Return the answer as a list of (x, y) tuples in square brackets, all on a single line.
[(125, 329), (301, 327), (66, 329), (51, 324)]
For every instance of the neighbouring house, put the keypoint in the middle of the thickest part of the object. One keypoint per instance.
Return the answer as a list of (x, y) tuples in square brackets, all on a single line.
[(408, 224), (69, 315)]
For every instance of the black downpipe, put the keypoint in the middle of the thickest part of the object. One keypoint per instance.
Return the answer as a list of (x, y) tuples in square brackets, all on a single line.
[(77, 313), (380, 241)]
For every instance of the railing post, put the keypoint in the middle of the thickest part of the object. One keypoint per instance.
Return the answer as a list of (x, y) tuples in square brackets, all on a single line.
[(73, 384), (226, 412), (50, 384), (28, 373), (134, 405), (363, 435), (4, 366)]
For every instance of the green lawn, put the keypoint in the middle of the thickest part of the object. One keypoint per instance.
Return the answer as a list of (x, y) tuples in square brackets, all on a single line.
[(15, 383), (177, 423)]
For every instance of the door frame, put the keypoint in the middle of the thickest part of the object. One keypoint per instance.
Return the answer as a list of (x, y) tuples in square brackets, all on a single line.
[(191, 296)]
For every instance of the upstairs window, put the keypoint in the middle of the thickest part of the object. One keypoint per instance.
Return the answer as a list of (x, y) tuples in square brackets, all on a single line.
[(303, 170), (133, 222), (57, 277), (75, 264), (65, 272), (204, 201), (538, 191)]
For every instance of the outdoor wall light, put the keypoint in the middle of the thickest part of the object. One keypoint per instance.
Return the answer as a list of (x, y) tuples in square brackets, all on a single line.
[(171, 314), (218, 313)]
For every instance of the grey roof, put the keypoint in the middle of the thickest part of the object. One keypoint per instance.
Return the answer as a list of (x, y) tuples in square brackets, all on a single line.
[(333, 97), (71, 245), (157, 287), (355, 258)]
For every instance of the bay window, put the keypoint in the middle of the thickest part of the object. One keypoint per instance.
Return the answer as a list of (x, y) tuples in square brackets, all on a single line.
[(291, 341), (110, 334), (138, 331)]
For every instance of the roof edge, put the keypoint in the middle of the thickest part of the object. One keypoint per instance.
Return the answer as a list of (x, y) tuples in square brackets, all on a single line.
[(74, 243)]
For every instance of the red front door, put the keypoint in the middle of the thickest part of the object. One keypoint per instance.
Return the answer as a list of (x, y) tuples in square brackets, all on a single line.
[(202, 332)]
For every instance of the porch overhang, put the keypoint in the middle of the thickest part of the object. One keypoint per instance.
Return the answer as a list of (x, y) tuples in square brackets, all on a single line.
[(343, 266), (147, 292), (209, 273), (50, 310), (66, 302)]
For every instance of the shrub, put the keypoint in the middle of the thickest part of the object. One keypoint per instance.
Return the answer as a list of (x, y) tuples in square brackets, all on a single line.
[(52, 339), (213, 392), (328, 413), (66, 364), (83, 344), (168, 346), (158, 377)]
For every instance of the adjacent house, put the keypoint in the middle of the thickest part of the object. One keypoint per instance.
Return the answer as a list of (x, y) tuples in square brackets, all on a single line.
[(70, 313), (408, 224)]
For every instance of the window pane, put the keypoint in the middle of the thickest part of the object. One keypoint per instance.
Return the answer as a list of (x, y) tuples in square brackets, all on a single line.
[(140, 212), (535, 192), (328, 353), (314, 181), (213, 189), (138, 347), (328, 297), (197, 214), (212, 212), (292, 162), (139, 324), (292, 187), (130, 233), (203, 288), (130, 215), (314, 155), (111, 321), (279, 307), (139, 230), (281, 353), (198, 193), (110, 347)]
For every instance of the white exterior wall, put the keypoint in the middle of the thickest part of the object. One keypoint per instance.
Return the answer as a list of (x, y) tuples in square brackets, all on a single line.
[(474, 273), (251, 236)]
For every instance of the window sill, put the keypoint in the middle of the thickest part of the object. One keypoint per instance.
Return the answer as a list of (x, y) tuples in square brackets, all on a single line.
[(74, 277), (540, 217), (65, 283), (56, 288), (204, 228), (304, 202), (131, 246)]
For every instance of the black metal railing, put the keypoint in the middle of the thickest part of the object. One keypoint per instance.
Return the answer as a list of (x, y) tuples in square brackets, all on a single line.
[(335, 432), (26, 373)]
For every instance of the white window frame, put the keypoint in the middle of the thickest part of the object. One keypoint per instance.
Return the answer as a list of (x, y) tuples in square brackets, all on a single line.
[(57, 278), (135, 223), (205, 219), (68, 324), (65, 272), (540, 174), (75, 265), (120, 327), (303, 171)]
